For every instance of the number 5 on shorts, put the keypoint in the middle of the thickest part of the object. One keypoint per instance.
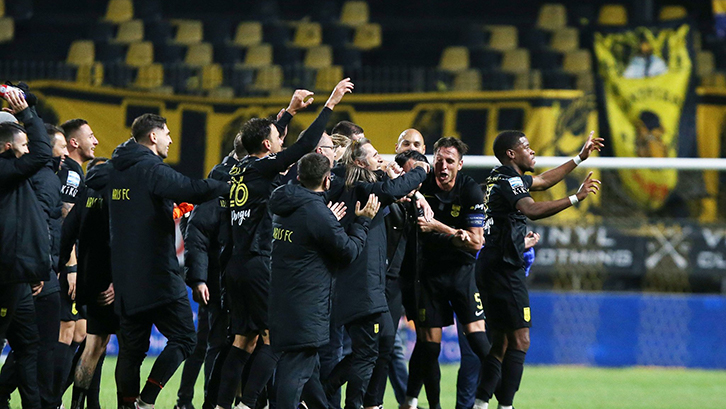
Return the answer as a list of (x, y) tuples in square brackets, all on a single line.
[(477, 298)]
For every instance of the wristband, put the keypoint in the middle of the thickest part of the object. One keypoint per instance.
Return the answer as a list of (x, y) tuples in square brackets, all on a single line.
[(574, 200), (577, 160), (72, 269)]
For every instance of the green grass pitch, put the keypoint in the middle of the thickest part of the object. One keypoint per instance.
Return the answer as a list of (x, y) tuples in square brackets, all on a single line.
[(543, 387)]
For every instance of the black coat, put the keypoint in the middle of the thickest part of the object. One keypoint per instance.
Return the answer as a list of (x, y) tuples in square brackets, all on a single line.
[(360, 289), (24, 241), (309, 243), (88, 225), (143, 189)]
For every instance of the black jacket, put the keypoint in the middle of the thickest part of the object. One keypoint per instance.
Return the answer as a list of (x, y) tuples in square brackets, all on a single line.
[(47, 187), (309, 243), (143, 189), (88, 223), (204, 236), (360, 289), (24, 241)]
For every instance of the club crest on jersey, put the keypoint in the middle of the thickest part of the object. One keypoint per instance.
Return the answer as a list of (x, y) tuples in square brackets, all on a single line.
[(455, 210), (517, 185)]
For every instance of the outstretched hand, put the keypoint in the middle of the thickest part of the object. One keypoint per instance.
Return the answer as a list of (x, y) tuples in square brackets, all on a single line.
[(338, 209), (344, 87), (588, 186), (590, 145), (301, 99), (371, 208)]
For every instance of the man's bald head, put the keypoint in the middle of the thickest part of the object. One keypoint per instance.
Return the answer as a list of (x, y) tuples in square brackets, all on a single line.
[(411, 139)]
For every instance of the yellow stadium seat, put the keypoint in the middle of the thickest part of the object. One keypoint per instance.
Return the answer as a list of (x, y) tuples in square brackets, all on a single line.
[(535, 79), (319, 57), (715, 80), (354, 13), (613, 15), (188, 32), (672, 13), (454, 59), (577, 61), (81, 52), (150, 76), (328, 77), (130, 32), (212, 76), (119, 11), (268, 79), (221, 93), (565, 39), (248, 33), (516, 61), (367, 36), (552, 17), (258, 56), (308, 34), (7, 29), (705, 63), (585, 81), (522, 81), (2, 8), (199, 55), (91, 74), (503, 38), (140, 54), (468, 80)]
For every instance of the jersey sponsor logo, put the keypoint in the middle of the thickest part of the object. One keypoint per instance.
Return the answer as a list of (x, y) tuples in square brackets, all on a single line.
[(120, 194), (478, 206), (479, 313), (527, 316), (282, 234), (73, 179), (69, 191), (239, 216), (517, 185), (455, 210)]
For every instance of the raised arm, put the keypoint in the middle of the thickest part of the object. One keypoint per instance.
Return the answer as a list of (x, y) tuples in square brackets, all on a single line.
[(539, 210), (391, 190), (170, 184), (335, 242), (38, 145), (553, 176)]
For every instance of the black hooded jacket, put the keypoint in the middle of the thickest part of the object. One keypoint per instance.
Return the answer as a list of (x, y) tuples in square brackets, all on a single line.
[(360, 289), (308, 245), (24, 241), (143, 189)]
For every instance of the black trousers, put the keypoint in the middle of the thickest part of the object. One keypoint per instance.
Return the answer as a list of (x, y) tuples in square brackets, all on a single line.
[(47, 318), (295, 370), (193, 364), (174, 320), (22, 333), (377, 385)]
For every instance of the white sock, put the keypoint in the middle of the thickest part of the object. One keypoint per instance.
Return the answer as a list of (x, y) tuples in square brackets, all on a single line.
[(504, 407), (143, 405), (411, 402), (241, 406), (480, 404)]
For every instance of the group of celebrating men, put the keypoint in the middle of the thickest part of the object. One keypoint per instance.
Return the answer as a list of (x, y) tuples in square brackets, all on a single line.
[(302, 260)]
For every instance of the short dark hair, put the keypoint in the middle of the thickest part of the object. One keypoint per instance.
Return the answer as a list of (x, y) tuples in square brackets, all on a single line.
[(505, 141), (239, 147), (347, 128), (8, 130), (72, 125), (451, 142), (51, 130), (144, 124), (254, 132), (404, 157), (96, 161), (312, 168)]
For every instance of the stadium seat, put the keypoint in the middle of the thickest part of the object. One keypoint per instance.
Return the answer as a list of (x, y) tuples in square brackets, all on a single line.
[(276, 34), (454, 59), (545, 59), (672, 13), (110, 53), (477, 36), (258, 56), (268, 79), (149, 76), (287, 56), (535, 79), (714, 79), (227, 54), (612, 15), (585, 81), (91, 74), (367, 36), (218, 32), (565, 39), (169, 53), (148, 10), (308, 34), (328, 77), (188, 32), (468, 80), (577, 61), (81, 53), (140, 54), (557, 80), (705, 63), (7, 29), (119, 11), (212, 76), (130, 32), (265, 11), (318, 57), (248, 33), (516, 61), (485, 59), (199, 55), (534, 39), (348, 58), (503, 38), (240, 79), (354, 13), (2, 8), (496, 80), (552, 17)]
